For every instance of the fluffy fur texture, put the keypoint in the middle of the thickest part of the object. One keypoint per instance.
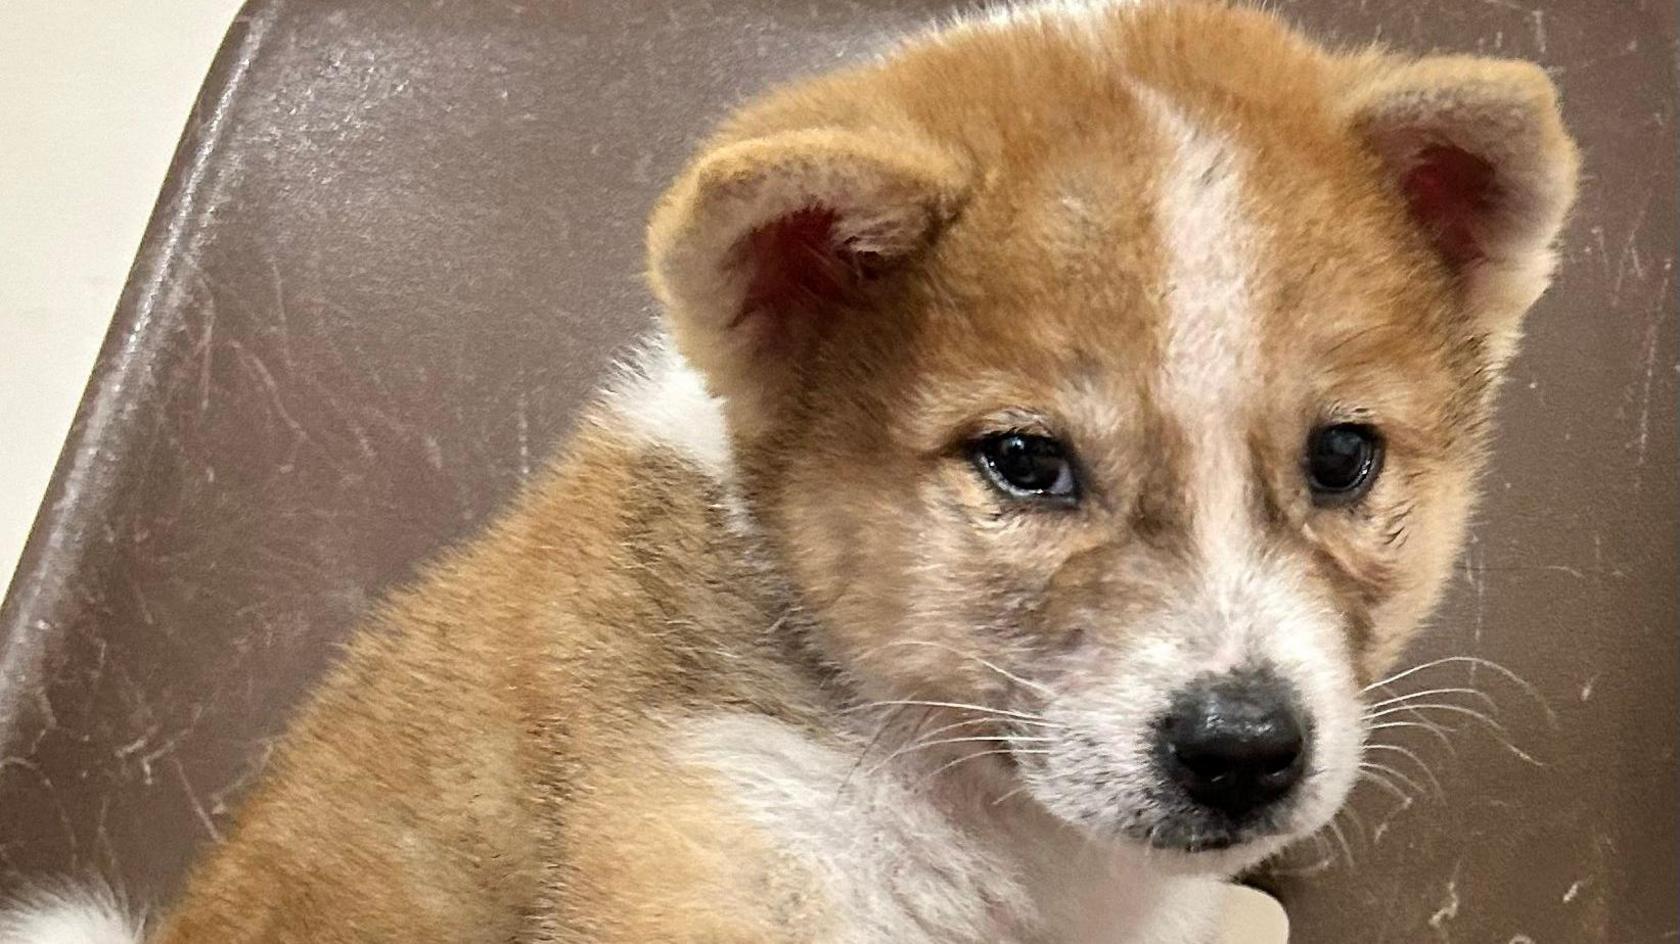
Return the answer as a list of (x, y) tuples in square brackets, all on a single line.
[(69, 915), (661, 401), (770, 657)]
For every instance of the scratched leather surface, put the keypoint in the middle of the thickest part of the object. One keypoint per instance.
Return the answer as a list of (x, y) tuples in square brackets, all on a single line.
[(401, 240)]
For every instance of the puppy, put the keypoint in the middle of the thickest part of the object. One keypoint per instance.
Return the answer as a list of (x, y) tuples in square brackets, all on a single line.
[(1055, 427)]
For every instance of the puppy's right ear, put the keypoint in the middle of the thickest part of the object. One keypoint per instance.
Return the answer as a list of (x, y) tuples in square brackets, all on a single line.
[(765, 244)]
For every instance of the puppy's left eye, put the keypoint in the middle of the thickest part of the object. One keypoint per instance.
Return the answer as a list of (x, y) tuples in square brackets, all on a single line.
[(1343, 461), (1026, 466)]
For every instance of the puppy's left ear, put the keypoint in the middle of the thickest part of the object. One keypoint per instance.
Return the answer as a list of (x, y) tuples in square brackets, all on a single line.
[(767, 243), (1477, 150)]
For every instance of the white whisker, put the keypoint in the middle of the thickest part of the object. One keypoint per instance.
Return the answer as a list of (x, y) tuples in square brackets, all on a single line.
[(966, 723), (1433, 728), (966, 655), (1009, 794), (1353, 817), (1369, 776), (1402, 699), (1020, 716), (1342, 839), (975, 756), (1500, 733), (880, 732), (1522, 683), (1407, 752), (1373, 766), (923, 745), (1437, 706)]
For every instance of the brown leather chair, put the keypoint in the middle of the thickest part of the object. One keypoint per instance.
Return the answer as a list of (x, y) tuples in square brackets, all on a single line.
[(400, 242)]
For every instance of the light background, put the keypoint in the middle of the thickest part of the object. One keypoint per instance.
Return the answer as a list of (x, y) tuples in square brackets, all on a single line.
[(93, 95)]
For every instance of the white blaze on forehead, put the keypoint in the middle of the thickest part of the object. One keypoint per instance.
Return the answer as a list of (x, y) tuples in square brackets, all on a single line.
[(1207, 374), (1240, 606), (1247, 606)]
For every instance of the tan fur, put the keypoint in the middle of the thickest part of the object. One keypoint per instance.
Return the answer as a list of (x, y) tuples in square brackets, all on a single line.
[(498, 758)]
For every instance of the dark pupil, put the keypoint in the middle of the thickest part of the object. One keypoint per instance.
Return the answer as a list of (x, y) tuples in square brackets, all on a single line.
[(1340, 457), (1030, 463)]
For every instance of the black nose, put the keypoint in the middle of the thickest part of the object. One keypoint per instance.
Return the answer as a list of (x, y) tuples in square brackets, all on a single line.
[(1234, 744)]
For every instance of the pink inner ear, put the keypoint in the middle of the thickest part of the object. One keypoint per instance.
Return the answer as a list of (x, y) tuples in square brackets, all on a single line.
[(1450, 190), (794, 262), (799, 265)]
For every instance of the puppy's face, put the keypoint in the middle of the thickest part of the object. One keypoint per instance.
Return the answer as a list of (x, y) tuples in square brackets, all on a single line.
[(1133, 402)]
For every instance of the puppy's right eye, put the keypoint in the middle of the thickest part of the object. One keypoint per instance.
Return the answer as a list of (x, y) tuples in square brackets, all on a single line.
[(1022, 465)]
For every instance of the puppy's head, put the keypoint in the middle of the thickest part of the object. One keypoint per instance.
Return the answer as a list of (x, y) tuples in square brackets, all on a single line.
[(1124, 374)]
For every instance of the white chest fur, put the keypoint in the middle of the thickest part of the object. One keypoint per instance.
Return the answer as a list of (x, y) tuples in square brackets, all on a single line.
[(899, 861)]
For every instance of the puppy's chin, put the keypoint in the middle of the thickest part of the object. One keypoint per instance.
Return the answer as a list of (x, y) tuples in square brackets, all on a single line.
[(1217, 863), (1209, 854), (1185, 842), (1193, 850)]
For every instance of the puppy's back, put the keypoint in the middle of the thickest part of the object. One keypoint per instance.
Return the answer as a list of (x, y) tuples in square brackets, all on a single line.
[(420, 794)]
